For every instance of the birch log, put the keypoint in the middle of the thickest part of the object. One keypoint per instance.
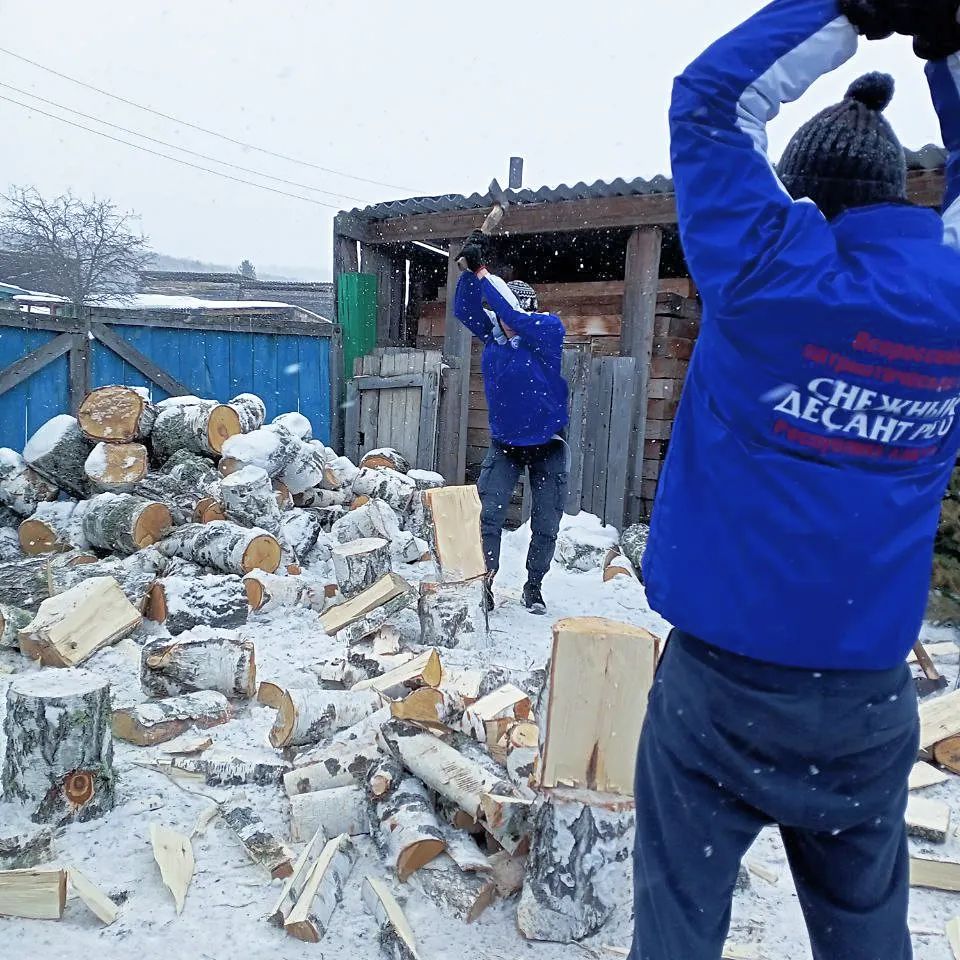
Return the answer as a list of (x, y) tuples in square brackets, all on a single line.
[(391, 592), (576, 868), (374, 519), (396, 938), (225, 547), (263, 848), (299, 425), (200, 660), (21, 487), (116, 414), (202, 428), (335, 811), (268, 591), (22, 847), (191, 469), (232, 769), (281, 454), (385, 458), (309, 716), (58, 451), (122, 523), (135, 574), (249, 499), (299, 532), (452, 615), (23, 583), (310, 918), (12, 621), (182, 603), (147, 724), (180, 497), (360, 564), (339, 473), (393, 488), (9, 537), (59, 754), (116, 467), (424, 670), (321, 499), (54, 528), (465, 895), (251, 410)]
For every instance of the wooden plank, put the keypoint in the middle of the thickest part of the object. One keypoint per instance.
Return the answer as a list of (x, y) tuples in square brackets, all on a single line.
[(135, 358), (453, 431), (429, 401), (390, 382), (36, 360), (20, 320), (336, 389), (624, 390), (641, 279), (240, 320), (590, 447), (351, 422), (385, 416), (79, 370), (369, 405), (576, 371), (603, 455)]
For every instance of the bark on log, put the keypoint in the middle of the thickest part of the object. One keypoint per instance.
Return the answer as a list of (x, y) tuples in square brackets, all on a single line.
[(116, 414), (24, 848), (263, 848), (335, 811), (427, 479), (23, 583), (310, 918), (338, 473), (249, 499), (55, 528), (180, 497), (58, 451), (297, 424), (300, 530), (202, 428), (575, 870), (374, 519), (393, 488), (319, 498), (281, 454), (203, 660), (182, 603), (396, 938), (465, 895), (360, 564), (221, 769), (9, 538), (225, 547), (452, 615), (70, 627), (147, 724), (385, 458), (135, 574), (59, 754), (21, 487), (309, 716), (116, 467), (123, 523), (251, 410), (268, 591), (12, 621), (192, 469)]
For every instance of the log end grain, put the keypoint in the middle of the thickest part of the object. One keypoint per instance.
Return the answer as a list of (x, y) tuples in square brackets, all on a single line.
[(224, 423), (37, 537), (263, 553), (418, 855), (152, 525), (112, 413), (208, 510)]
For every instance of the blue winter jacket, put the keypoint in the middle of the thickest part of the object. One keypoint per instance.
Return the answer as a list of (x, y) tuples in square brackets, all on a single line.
[(526, 392), (818, 427)]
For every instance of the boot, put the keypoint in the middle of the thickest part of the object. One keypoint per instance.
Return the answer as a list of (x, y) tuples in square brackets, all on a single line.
[(533, 598), (488, 602)]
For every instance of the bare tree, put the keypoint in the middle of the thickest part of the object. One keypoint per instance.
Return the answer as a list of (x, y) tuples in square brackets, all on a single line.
[(84, 250)]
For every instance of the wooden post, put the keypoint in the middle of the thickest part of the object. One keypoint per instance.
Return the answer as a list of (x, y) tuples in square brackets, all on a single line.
[(455, 396), (641, 280), (79, 361)]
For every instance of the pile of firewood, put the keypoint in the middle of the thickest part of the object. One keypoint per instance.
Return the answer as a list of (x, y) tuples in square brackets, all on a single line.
[(473, 783)]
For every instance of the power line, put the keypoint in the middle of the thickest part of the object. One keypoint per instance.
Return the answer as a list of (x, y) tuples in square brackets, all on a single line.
[(194, 126), (166, 156), (174, 146)]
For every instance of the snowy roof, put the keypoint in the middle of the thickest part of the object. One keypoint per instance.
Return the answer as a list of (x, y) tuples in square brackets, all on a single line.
[(162, 301)]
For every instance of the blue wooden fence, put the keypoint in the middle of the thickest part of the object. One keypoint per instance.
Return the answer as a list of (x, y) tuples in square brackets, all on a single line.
[(286, 362)]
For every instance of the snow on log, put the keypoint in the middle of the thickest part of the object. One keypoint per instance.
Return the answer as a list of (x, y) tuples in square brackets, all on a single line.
[(12, 621), (59, 754), (225, 547), (54, 528), (393, 488), (135, 574), (116, 414), (390, 590), (249, 499), (488, 719), (299, 425), (309, 716), (21, 487), (9, 538), (281, 454), (360, 564), (173, 854), (424, 670), (335, 811), (385, 458), (123, 523), (396, 938), (309, 919), (465, 895), (182, 603), (23, 847), (192, 469), (282, 494), (269, 591), (452, 614), (407, 832), (116, 467), (616, 564), (263, 848), (181, 498), (219, 768), (427, 479), (576, 867), (320, 498), (507, 872), (338, 473), (148, 724), (296, 883), (58, 451), (453, 522), (373, 519), (522, 752), (203, 427), (72, 626), (23, 583), (299, 532), (251, 410), (200, 660), (33, 894)]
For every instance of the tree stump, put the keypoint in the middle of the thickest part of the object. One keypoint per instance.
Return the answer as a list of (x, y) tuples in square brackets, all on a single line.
[(249, 499), (116, 467), (123, 523), (225, 547), (54, 528), (360, 564), (451, 614), (250, 409), (58, 451), (21, 487), (116, 414), (59, 756), (201, 426), (182, 603)]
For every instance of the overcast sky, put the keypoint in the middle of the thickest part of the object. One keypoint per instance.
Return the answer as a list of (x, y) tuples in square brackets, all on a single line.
[(429, 96)]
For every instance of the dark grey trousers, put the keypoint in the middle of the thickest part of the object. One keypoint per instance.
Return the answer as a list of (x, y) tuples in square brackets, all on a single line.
[(548, 485)]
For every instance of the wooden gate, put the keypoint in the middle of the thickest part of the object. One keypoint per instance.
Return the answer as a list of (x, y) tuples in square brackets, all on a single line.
[(392, 401)]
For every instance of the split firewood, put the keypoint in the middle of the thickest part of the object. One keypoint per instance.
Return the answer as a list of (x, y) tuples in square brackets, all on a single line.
[(928, 819), (335, 811), (21, 487), (225, 547), (202, 427), (231, 769), (268, 591), (296, 883), (123, 523), (26, 847), (182, 498), (424, 670), (452, 614), (173, 853), (580, 841), (489, 718), (396, 937), (207, 659), (374, 519), (935, 874), (251, 410), (299, 532), (299, 425), (116, 414), (59, 754), (135, 574), (309, 716), (465, 895), (58, 451), (70, 627), (54, 528), (310, 917), (407, 833), (391, 592), (922, 775), (182, 604), (361, 662), (460, 820), (249, 499), (522, 753), (616, 564), (453, 520), (508, 873), (263, 848), (35, 894), (385, 458), (99, 904), (939, 720), (390, 486), (12, 621), (116, 467), (425, 707), (360, 564), (148, 724), (507, 820)]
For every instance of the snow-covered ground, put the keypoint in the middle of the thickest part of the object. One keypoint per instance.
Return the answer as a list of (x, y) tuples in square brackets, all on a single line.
[(225, 907)]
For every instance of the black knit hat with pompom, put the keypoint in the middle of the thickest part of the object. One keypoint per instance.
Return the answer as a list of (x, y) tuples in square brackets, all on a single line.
[(848, 155)]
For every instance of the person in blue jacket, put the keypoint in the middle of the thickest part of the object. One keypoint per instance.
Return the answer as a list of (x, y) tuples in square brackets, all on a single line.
[(793, 532), (527, 400)]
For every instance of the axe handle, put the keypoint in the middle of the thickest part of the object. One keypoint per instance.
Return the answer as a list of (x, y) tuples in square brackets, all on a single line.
[(930, 670), (490, 224)]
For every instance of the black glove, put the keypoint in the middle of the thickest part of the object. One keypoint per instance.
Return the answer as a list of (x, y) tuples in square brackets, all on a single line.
[(932, 23), (475, 251), (872, 18)]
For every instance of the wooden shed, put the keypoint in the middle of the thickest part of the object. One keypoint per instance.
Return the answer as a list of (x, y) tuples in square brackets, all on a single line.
[(606, 258)]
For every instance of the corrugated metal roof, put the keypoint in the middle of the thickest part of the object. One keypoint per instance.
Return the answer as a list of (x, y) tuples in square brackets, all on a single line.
[(929, 158)]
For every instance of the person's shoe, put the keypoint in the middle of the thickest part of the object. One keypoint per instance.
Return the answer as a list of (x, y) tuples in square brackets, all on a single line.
[(533, 599), (488, 603)]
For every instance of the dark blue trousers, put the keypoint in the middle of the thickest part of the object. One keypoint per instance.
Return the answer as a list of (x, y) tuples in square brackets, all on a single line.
[(732, 745)]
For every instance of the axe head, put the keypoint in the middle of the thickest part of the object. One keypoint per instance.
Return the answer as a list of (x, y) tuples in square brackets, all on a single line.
[(499, 197)]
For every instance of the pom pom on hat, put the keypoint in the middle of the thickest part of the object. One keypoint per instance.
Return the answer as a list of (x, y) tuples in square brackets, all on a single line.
[(873, 90)]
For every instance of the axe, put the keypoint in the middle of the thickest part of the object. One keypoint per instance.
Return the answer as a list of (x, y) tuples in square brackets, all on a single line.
[(493, 218)]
